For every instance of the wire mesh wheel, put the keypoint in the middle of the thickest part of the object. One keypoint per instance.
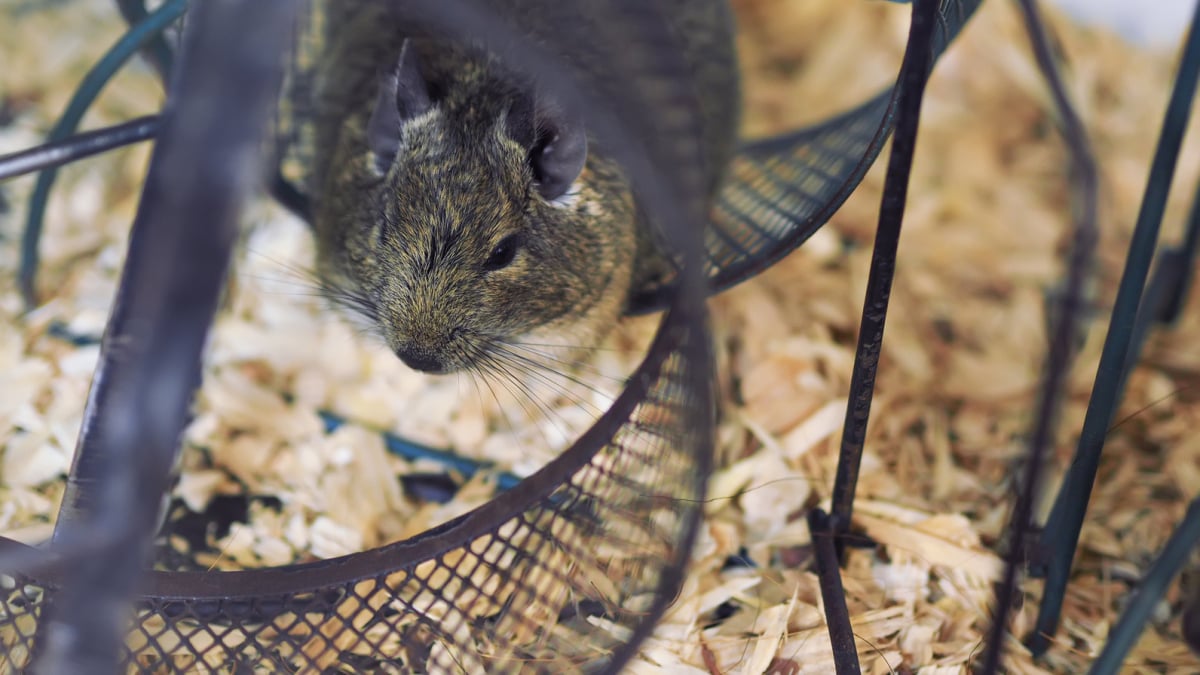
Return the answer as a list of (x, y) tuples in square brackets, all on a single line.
[(571, 569), (562, 573), (600, 534)]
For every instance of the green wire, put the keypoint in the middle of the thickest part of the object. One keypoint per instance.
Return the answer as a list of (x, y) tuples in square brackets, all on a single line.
[(88, 90), (157, 51)]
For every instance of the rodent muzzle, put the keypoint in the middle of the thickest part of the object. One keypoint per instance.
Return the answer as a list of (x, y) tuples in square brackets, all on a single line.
[(419, 359), (426, 346)]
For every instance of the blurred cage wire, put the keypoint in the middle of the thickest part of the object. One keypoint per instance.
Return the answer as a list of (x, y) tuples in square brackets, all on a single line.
[(567, 573), (601, 532)]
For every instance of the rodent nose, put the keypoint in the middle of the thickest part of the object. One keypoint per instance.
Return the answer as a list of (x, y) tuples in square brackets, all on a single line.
[(421, 360)]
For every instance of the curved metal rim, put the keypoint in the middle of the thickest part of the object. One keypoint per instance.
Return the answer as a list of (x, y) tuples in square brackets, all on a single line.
[(480, 521), (484, 520), (725, 278), (686, 315), (728, 277)]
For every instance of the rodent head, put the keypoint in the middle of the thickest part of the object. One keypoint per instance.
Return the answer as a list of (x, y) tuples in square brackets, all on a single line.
[(470, 216)]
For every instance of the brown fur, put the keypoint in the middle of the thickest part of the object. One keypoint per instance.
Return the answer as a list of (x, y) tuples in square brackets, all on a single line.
[(407, 248)]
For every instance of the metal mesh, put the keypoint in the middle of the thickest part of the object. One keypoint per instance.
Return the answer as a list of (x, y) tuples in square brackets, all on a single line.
[(571, 569), (557, 587), (781, 190)]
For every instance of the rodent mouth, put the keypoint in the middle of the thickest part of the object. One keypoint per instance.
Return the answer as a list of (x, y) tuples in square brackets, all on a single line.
[(459, 351), (424, 361)]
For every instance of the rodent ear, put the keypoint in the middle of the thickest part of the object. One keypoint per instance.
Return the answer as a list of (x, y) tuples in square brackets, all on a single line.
[(403, 95), (560, 150)]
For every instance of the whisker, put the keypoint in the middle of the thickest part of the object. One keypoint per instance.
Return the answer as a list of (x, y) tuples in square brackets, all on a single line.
[(552, 414), (505, 379), (349, 298), (532, 367), (552, 417), (486, 370), (294, 268), (512, 370), (555, 388), (568, 364), (589, 348), (310, 293)]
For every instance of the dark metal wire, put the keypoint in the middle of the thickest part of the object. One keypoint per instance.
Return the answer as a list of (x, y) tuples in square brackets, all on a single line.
[(1150, 590), (877, 114), (128, 397), (665, 192), (1065, 328), (830, 150), (914, 73), (86, 144), (833, 596), (201, 172), (1061, 535), (55, 154)]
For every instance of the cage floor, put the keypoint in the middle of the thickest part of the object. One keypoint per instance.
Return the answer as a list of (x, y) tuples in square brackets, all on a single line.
[(983, 241)]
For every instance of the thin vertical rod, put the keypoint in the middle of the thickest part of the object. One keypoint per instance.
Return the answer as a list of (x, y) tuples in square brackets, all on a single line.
[(1064, 332), (1061, 536), (914, 73), (833, 595), (200, 173), (1149, 592)]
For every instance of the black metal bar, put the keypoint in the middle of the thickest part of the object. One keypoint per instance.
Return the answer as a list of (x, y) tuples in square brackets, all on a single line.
[(77, 147), (1064, 331), (83, 145), (914, 72), (1061, 535), (1149, 592), (833, 596), (202, 169)]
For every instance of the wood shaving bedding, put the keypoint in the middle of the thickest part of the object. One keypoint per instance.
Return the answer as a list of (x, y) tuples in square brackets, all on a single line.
[(983, 242)]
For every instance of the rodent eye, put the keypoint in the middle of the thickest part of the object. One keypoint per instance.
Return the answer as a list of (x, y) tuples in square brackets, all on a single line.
[(502, 256)]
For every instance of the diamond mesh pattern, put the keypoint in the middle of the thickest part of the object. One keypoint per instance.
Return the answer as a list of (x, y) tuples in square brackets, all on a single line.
[(779, 191), (557, 587), (569, 570)]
